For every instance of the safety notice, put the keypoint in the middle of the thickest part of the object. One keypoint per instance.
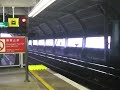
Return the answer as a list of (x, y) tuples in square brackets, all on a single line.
[(13, 45)]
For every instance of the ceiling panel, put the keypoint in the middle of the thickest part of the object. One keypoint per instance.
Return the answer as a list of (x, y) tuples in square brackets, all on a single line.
[(88, 12), (17, 3), (95, 21), (18, 11), (56, 26), (46, 28)]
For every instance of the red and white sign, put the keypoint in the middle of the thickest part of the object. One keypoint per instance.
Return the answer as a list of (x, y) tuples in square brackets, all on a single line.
[(13, 45)]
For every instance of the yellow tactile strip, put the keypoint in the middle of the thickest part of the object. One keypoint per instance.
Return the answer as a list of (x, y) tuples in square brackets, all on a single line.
[(37, 67), (42, 81)]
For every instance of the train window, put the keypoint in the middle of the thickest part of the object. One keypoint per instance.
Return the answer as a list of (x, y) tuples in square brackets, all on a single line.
[(5, 35), (59, 42), (35, 42), (49, 42), (41, 43), (74, 42), (30, 42), (95, 42)]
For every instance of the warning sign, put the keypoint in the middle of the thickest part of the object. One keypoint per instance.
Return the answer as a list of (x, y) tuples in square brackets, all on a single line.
[(13, 22), (2, 45), (13, 45)]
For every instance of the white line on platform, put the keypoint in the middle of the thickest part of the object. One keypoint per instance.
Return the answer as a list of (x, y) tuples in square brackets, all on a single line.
[(76, 85)]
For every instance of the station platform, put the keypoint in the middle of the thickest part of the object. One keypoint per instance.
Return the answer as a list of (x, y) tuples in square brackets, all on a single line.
[(13, 79)]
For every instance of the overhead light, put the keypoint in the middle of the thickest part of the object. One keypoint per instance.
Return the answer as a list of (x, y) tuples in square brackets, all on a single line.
[(40, 6)]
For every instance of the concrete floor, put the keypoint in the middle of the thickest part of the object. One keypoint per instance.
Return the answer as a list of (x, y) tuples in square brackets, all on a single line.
[(59, 82), (13, 79)]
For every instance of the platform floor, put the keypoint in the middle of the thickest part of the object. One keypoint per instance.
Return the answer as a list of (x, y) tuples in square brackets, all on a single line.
[(59, 82), (13, 79)]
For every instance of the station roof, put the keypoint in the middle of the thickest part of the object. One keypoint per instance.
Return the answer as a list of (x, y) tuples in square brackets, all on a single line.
[(71, 18)]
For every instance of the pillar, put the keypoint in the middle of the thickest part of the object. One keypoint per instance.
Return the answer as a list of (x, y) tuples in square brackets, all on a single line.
[(115, 44)]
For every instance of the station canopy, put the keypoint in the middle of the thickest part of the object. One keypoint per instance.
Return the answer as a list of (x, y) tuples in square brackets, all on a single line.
[(71, 18)]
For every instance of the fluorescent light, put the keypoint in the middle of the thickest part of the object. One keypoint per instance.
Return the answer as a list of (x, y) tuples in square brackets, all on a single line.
[(41, 5)]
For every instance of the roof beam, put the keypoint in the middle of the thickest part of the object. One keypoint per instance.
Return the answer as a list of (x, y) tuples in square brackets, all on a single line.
[(54, 34), (67, 12), (38, 29), (69, 4), (42, 31), (65, 29), (84, 27)]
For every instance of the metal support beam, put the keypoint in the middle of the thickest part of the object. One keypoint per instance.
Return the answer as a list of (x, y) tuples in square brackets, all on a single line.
[(45, 45), (69, 4), (3, 14), (84, 28), (13, 10), (84, 42), (42, 31), (115, 44), (21, 59), (66, 42), (26, 54), (78, 10), (38, 30), (106, 56), (32, 42), (108, 10), (65, 29), (37, 42), (91, 6), (54, 35), (35, 37)]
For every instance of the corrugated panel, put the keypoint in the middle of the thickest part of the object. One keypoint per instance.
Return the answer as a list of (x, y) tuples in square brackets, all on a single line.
[(56, 26), (71, 23), (46, 28), (88, 12), (94, 21)]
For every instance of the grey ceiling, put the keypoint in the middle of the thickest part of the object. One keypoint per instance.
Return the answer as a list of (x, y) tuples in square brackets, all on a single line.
[(65, 18), (71, 18), (17, 3), (21, 6)]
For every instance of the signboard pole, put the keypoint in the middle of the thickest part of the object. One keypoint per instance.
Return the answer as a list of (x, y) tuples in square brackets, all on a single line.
[(26, 66), (26, 55), (21, 59), (3, 13)]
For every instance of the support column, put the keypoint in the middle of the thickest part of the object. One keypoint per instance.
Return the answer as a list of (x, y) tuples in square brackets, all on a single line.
[(66, 42), (115, 44), (84, 42), (21, 59), (37, 45), (26, 54), (53, 46), (54, 42), (45, 42), (37, 42), (106, 54), (44, 45), (83, 47), (32, 42)]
